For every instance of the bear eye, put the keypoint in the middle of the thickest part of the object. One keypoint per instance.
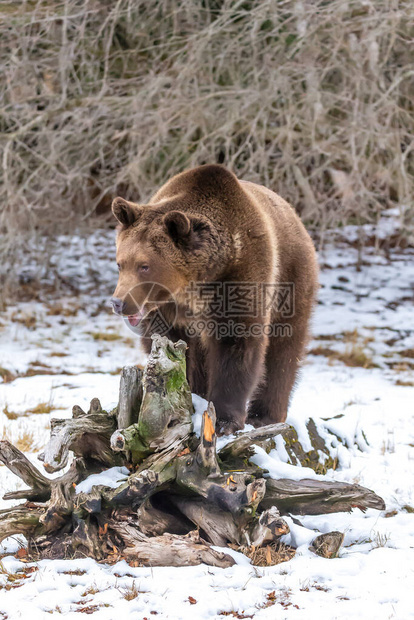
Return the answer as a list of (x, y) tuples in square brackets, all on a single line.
[(143, 268), (119, 266)]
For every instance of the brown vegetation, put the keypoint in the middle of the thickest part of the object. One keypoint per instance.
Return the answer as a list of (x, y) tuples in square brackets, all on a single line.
[(272, 554), (311, 99), (355, 355)]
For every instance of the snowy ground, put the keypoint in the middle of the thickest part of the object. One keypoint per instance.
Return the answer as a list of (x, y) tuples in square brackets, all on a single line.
[(55, 353)]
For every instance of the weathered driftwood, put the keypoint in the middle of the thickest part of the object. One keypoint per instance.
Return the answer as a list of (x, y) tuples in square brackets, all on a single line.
[(180, 496), (311, 458), (40, 486), (243, 447), (313, 497), (166, 407), (244, 444), (130, 396), (23, 519), (169, 549), (87, 435)]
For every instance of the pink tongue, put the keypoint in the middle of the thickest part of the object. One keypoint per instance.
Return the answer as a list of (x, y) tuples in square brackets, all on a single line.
[(134, 319)]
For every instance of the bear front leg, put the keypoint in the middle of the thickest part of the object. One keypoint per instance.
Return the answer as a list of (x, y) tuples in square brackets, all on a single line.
[(235, 368)]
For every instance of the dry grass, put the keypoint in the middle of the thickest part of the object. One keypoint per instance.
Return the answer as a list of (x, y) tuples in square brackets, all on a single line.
[(24, 441), (407, 353), (7, 375), (92, 589), (59, 309), (268, 555), (307, 586), (28, 320), (314, 99), (129, 593), (388, 445), (380, 540), (354, 337), (355, 355), (105, 336), (42, 408), (405, 366), (16, 580), (10, 415)]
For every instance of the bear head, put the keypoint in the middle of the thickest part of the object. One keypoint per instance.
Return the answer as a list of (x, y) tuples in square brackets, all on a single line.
[(160, 251)]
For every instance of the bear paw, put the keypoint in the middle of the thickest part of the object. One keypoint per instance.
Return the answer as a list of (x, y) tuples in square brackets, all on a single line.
[(228, 427)]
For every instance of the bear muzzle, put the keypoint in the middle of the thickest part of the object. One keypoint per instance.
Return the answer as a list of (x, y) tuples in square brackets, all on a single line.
[(118, 305)]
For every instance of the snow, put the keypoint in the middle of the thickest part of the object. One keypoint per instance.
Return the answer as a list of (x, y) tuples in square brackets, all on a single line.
[(278, 469), (200, 406), (61, 355), (112, 478)]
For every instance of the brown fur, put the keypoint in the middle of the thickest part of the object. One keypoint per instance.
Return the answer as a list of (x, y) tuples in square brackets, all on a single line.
[(206, 225)]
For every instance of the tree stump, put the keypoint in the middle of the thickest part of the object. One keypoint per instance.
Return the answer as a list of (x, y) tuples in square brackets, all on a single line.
[(176, 495)]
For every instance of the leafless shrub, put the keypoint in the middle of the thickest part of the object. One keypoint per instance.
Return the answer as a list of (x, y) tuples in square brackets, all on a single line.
[(313, 99)]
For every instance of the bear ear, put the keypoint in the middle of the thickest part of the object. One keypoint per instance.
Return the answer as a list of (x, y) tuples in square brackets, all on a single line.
[(125, 212), (177, 225)]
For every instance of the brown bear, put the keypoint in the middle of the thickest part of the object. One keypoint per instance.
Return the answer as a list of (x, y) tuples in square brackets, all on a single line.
[(230, 269)]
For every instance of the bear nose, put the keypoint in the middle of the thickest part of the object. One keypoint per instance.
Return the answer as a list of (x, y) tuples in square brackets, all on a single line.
[(118, 305)]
